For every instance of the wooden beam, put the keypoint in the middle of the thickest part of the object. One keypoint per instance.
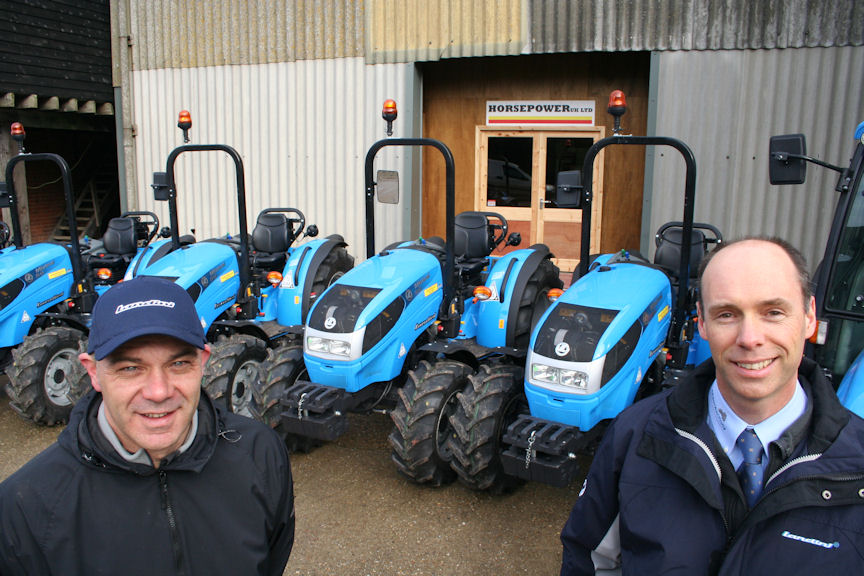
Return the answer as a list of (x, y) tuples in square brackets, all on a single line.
[(29, 101), (7, 100), (70, 105), (52, 103), (89, 107)]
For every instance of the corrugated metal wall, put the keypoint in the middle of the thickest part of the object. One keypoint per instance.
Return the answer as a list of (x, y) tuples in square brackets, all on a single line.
[(621, 25), (302, 129), (429, 30), (726, 105), (176, 34)]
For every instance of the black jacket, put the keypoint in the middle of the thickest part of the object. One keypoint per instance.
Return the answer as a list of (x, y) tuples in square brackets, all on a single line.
[(224, 506), (662, 494)]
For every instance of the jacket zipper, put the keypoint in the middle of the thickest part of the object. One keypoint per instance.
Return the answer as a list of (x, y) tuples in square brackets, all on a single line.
[(698, 441), (172, 522)]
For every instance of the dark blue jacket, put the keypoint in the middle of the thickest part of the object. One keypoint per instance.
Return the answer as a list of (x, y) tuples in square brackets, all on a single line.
[(224, 506), (662, 497)]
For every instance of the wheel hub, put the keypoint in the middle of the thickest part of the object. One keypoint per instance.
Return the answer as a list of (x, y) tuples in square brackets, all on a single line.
[(56, 384)]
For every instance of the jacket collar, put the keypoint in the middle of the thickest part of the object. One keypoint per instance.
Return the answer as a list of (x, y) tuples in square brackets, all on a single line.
[(688, 403), (83, 438)]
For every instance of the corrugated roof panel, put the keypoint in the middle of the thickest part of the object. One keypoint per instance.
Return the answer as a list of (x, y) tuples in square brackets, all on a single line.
[(302, 130), (623, 25), (415, 30), (170, 34), (727, 117)]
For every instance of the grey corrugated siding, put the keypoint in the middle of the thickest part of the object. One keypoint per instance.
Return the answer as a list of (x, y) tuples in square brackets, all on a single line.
[(171, 34), (302, 130), (623, 25), (726, 105)]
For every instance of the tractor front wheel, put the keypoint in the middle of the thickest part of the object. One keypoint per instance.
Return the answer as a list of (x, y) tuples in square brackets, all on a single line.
[(421, 421), (233, 370), (45, 377), (284, 367), (487, 406)]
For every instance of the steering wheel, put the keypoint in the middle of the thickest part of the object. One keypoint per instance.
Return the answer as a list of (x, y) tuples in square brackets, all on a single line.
[(297, 223), (500, 228)]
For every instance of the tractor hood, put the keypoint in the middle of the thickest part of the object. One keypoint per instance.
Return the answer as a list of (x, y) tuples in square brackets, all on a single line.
[(207, 270), (359, 310), (596, 325)]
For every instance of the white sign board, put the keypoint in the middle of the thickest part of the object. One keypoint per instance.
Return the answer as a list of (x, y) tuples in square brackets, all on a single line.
[(540, 112)]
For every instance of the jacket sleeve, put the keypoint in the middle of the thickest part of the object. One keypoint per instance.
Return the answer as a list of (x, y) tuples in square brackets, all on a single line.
[(590, 536), (19, 551), (281, 537)]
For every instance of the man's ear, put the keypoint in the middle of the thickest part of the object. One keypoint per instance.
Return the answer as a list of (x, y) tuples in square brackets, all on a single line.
[(89, 364), (205, 354), (700, 321)]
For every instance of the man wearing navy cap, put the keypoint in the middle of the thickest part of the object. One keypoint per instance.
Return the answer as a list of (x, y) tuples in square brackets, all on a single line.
[(150, 477)]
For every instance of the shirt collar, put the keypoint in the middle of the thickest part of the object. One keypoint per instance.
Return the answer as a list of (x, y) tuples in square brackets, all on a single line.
[(139, 457), (727, 425)]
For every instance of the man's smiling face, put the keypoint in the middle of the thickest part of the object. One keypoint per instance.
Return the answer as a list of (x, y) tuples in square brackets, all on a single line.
[(756, 323)]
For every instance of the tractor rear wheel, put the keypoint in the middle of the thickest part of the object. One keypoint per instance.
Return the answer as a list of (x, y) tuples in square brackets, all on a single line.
[(284, 366), (421, 421), (233, 370), (45, 377), (486, 407)]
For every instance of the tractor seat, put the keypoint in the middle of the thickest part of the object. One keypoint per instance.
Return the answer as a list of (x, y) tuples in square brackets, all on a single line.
[(271, 239), (120, 242), (472, 240), (668, 254)]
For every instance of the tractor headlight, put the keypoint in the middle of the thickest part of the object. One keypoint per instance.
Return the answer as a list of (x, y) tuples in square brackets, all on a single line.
[(552, 375), (327, 345)]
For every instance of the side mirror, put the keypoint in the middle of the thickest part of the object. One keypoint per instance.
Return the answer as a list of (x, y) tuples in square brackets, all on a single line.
[(514, 239), (387, 183), (785, 165), (160, 186), (5, 197), (312, 231), (568, 189)]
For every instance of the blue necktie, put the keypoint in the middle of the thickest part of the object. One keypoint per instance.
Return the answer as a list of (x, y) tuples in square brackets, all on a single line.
[(750, 471)]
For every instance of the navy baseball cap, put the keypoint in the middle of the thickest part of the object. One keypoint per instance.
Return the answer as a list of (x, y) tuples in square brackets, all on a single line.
[(143, 306)]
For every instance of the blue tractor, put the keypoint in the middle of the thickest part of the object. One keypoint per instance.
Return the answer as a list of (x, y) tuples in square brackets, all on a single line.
[(622, 327), (838, 345), (47, 292), (404, 330), (251, 291)]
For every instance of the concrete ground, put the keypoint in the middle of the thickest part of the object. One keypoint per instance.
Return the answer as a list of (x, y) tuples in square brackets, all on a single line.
[(357, 516)]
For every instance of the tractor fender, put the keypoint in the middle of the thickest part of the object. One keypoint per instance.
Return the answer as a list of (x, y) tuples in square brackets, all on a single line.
[(299, 277), (520, 264)]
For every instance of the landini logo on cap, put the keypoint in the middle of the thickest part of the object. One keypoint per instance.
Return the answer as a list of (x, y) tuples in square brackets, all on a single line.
[(142, 304)]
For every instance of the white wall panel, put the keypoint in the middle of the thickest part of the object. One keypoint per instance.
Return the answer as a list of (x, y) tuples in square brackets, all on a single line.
[(725, 105), (302, 129)]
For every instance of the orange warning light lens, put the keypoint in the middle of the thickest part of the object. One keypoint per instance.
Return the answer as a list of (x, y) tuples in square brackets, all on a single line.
[(184, 121), (274, 277), (554, 294), (482, 293), (617, 100), (17, 129), (103, 274), (389, 112)]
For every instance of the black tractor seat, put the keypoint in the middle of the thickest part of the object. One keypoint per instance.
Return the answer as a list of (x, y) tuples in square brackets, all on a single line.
[(120, 243)]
